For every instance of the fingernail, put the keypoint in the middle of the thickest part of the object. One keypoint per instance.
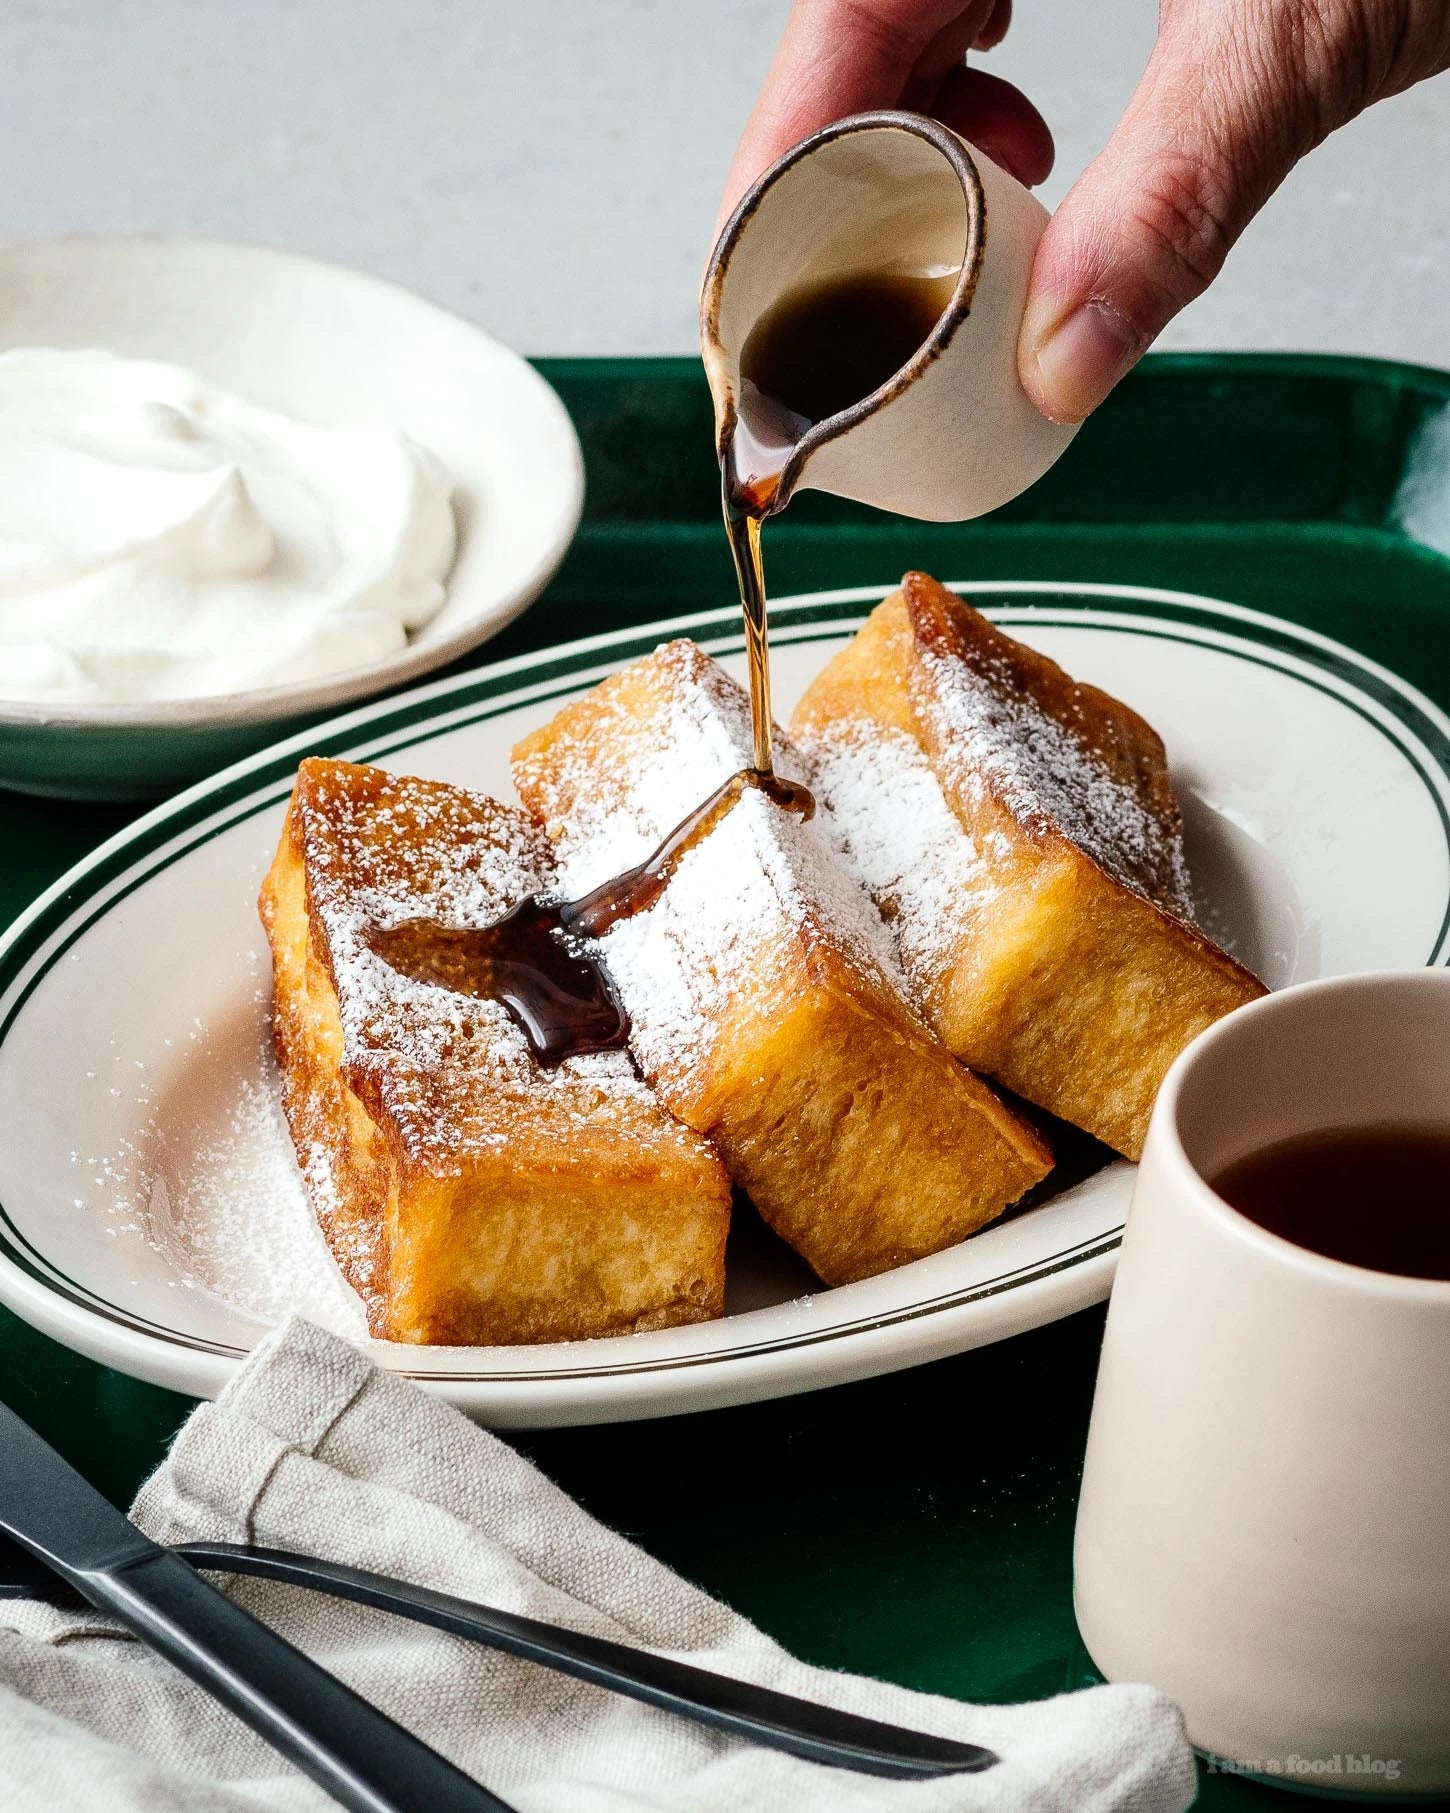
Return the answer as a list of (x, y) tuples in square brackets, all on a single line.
[(1082, 359)]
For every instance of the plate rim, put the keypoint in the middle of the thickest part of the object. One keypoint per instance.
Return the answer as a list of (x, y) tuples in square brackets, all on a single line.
[(880, 1341)]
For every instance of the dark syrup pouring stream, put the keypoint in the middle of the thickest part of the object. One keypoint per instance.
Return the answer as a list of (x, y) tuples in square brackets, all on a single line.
[(536, 961), (815, 354)]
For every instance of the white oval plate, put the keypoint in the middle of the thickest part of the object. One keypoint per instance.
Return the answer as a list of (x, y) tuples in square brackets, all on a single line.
[(150, 1211)]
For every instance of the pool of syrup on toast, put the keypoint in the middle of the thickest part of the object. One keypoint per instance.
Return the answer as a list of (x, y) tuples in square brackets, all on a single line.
[(536, 959)]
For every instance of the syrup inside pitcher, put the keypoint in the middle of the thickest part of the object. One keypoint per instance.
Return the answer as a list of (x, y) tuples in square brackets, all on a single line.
[(819, 350)]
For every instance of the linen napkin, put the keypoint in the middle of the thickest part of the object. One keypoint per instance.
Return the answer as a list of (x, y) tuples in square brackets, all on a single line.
[(313, 1447)]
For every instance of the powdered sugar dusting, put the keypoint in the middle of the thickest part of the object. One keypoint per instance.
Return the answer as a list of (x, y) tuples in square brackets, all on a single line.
[(239, 1215), (744, 897), (994, 741), (210, 1181), (388, 850), (901, 839)]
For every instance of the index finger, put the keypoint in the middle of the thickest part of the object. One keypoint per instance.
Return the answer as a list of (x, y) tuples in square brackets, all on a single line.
[(836, 57)]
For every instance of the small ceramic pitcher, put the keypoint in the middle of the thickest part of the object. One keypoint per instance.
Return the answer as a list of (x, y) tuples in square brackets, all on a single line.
[(953, 433)]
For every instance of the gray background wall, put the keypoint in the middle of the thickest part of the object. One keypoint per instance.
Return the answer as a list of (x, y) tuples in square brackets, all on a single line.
[(551, 167)]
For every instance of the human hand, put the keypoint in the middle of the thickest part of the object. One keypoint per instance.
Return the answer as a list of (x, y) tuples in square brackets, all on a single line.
[(1234, 94)]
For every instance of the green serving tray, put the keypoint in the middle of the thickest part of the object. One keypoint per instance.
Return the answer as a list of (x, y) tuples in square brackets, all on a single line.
[(919, 1526)]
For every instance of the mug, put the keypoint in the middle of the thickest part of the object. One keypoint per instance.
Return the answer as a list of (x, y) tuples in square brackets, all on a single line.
[(1264, 1527), (953, 433)]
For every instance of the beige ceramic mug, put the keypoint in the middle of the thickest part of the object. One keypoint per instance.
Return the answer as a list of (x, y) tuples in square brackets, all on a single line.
[(1264, 1529), (953, 433)]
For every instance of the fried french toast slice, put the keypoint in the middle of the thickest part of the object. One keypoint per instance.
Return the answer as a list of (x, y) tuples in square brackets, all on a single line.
[(470, 1196), (1020, 833), (763, 994)]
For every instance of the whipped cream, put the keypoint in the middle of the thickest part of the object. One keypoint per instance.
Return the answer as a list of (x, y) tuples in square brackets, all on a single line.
[(162, 538)]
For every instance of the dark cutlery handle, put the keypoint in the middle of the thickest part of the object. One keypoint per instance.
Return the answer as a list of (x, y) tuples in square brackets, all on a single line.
[(333, 1735), (820, 1734)]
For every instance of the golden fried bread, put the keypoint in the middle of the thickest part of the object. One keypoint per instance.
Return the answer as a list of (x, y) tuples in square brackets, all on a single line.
[(762, 989), (1020, 833), (469, 1195)]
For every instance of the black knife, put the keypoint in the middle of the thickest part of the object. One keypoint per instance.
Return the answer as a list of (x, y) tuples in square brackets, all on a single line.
[(333, 1735)]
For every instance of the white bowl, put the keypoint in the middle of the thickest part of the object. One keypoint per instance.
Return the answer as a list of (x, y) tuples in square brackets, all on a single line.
[(325, 345)]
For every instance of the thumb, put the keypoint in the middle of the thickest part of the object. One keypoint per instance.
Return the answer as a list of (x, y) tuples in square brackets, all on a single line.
[(1147, 226)]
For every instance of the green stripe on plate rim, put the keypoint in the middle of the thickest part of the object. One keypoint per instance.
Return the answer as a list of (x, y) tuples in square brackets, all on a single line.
[(374, 731)]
